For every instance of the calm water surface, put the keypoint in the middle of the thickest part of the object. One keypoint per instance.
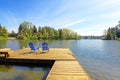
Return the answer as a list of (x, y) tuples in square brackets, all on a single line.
[(15, 72), (100, 58)]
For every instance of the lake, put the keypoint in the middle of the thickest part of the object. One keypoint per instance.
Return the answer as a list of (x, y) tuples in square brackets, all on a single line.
[(100, 58), (23, 72)]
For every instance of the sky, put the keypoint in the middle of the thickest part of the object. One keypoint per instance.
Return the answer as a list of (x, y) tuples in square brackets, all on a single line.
[(86, 17)]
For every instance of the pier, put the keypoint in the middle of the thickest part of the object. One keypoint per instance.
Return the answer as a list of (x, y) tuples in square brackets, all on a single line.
[(64, 64)]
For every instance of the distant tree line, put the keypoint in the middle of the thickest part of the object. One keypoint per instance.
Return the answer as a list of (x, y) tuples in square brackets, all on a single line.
[(27, 30), (91, 37), (113, 33)]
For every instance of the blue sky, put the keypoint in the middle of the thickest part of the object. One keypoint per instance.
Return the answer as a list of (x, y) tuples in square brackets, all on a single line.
[(86, 17)]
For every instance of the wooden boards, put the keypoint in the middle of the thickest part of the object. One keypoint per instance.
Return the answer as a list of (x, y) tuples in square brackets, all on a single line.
[(67, 70), (4, 52), (66, 67), (53, 54)]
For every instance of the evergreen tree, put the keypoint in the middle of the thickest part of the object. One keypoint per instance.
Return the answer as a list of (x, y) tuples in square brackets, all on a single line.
[(113, 33), (44, 33), (51, 34), (34, 29), (57, 34)]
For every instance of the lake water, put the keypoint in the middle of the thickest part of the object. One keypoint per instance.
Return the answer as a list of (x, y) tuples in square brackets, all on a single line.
[(100, 58), (20, 72)]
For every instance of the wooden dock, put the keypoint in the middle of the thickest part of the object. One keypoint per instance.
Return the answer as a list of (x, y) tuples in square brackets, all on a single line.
[(64, 67)]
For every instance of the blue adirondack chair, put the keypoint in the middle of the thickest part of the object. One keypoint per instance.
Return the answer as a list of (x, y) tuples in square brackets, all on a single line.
[(45, 46), (32, 47)]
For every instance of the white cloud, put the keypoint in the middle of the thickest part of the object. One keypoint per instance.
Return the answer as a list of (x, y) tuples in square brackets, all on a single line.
[(72, 23)]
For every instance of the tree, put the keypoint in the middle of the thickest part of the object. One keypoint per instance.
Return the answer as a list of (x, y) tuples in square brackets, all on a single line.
[(34, 29), (0, 29), (26, 30), (113, 33), (61, 34), (39, 35), (51, 34), (57, 34), (108, 35), (69, 34), (118, 34), (4, 32), (44, 33)]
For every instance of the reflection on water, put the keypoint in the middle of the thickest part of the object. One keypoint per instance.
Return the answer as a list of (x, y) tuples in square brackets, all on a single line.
[(5, 68), (13, 72), (3, 43), (100, 58)]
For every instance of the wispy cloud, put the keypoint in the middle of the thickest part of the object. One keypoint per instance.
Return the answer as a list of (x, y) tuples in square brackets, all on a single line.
[(72, 23)]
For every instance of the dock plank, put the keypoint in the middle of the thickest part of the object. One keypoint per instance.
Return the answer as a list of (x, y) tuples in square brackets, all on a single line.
[(67, 70)]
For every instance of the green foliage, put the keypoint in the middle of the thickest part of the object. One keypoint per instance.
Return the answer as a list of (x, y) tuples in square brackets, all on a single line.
[(69, 34), (51, 34), (57, 34), (28, 31), (39, 35), (44, 33), (112, 33), (3, 32)]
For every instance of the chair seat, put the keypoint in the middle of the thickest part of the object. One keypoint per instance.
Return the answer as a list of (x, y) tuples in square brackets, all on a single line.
[(31, 45)]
